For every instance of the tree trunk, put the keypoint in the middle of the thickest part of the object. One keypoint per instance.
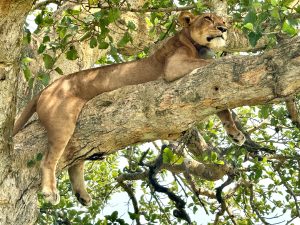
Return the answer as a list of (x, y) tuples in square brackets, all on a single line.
[(18, 205), (160, 110)]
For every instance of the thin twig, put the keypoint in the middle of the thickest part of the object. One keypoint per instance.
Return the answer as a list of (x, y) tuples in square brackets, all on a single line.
[(262, 219), (290, 191), (197, 191), (132, 197)]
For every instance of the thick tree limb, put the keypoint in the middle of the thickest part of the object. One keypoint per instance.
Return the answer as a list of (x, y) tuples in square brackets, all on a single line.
[(160, 110)]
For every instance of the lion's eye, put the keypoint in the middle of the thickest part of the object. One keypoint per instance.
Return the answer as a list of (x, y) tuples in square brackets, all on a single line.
[(208, 18)]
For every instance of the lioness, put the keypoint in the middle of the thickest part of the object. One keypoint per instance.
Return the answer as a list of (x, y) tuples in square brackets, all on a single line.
[(59, 105)]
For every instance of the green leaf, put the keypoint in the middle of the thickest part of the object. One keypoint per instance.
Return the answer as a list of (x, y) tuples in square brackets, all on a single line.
[(254, 37), (195, 209), (264, 112), (263, 17), (103, 34), (103, 45), (93, 42), (113, 15), (41, 48), (46, 39), (98, 15), (131, 25), (125, 39), (274, 2), (93, 2), (249, 26), (73, 12), (149, 23), (48, 61), (258, 174), (72, 54), (27, 73), (214, 156), (288, 28), (265, 159), (275, 14), (114, 53), (114, 216), (167, 155), (48, 21), (38, 19), (30, 163), (59, 71), (44, 77), (220, 162), (256, 5), (177, 159), (200, 5), (27, 36), (133, 216), (62, 32), (26, 60), (102, 60), (274, 121), (30, 82), (39, 157), (250, 17)]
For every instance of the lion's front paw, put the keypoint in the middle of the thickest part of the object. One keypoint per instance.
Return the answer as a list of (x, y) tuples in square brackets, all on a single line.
[(238, 138), (51, 196), (84, 198)]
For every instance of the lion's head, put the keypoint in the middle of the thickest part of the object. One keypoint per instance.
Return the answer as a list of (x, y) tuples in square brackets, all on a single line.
[(207, 29)]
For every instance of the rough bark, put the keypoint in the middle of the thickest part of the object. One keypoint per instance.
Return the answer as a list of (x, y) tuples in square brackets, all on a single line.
[(16, 204), (160, 110)]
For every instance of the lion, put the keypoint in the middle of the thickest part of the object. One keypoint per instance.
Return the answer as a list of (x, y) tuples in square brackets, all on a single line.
[(59, 105)]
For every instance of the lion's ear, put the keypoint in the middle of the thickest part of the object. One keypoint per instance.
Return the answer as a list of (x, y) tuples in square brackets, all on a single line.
[(186, 18)]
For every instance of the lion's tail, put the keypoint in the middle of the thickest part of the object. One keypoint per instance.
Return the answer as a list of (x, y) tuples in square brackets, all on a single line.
[(27, 112)]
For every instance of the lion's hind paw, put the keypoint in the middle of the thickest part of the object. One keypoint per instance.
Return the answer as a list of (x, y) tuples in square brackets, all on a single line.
[(238, 138), (51, 196)]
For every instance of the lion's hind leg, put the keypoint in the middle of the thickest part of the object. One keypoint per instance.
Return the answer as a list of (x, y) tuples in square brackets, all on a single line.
[(59, 121), (58, 140), (76, 174), (233, 132)]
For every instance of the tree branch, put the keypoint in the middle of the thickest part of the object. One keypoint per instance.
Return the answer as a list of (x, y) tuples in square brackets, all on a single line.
[(161, 110), (132, 197), (148, 9)]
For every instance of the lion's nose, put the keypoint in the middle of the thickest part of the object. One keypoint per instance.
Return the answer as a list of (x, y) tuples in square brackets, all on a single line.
[(222, 28)]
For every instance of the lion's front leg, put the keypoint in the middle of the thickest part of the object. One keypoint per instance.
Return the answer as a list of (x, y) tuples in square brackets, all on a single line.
[(233, 132), (180, 64), (76, 174)]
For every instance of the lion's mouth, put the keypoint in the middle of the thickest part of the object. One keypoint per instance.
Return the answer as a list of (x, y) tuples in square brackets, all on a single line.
[(210, 38)]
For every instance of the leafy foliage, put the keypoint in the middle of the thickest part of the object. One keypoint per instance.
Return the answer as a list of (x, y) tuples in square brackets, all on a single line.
[(267, 183)]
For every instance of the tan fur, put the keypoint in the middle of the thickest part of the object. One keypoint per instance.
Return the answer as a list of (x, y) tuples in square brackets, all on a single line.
[(59, 105)]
